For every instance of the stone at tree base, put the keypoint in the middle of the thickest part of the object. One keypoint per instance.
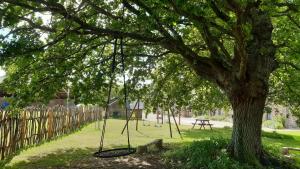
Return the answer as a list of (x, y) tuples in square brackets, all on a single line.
[(141, 149), (156, 144), (285, 151)]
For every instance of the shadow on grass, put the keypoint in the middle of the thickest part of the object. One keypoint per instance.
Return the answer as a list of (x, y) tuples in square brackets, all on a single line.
[(275, 135), (226, 133), (17, 152), (83, 158), (56, 159)]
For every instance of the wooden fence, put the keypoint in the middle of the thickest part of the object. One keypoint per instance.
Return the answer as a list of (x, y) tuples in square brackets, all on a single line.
[(34, 125)]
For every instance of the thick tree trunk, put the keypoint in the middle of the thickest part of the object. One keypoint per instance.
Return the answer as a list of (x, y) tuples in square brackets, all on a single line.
[(248, 89), (247, 122), (244, 78)]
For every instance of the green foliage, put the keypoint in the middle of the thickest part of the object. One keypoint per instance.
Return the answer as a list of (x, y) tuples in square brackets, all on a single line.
[(174, 83), (268, 109), (276, 159), (277, 122), (206, 154), (212, 154), (285, 81), (43, 57), (274, 124)]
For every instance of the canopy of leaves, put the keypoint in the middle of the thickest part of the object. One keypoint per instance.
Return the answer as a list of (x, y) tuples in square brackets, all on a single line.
[(50, 45), (175, 84)]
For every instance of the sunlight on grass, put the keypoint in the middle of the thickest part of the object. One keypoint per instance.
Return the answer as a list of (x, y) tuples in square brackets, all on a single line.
[(83, 143), (89, 137)]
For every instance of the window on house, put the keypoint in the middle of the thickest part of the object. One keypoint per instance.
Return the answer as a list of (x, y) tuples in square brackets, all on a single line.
[(269, 116)]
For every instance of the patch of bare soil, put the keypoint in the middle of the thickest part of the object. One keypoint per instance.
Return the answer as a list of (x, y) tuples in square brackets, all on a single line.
[(145, 161)]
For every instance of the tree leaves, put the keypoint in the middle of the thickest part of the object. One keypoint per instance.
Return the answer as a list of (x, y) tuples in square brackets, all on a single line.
[(73, 49)]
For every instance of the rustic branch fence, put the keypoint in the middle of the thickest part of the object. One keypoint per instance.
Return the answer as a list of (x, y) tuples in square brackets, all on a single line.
[(34, 125)]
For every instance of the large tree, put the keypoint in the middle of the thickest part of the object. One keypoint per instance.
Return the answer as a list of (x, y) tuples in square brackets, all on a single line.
[(228, 43)]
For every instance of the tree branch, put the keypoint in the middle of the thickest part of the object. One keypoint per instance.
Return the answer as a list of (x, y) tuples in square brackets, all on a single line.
[(218, 12), (103, 11), (57, 8)]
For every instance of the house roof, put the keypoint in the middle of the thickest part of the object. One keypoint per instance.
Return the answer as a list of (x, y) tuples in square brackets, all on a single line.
[(63, 94), (139, 105), (130, 106), (113, 101)]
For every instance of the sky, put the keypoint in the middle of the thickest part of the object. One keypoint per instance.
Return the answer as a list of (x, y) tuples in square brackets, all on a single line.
[(2, 72), (2, 32)]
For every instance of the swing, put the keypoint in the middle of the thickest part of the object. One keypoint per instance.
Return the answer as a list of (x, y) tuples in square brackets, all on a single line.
[(117, 152)]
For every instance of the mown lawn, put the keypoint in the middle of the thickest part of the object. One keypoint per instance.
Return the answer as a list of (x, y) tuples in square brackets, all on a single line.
[(82, 144)]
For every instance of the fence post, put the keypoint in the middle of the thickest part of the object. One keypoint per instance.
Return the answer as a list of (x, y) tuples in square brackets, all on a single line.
[(33, 125), (50, 123)]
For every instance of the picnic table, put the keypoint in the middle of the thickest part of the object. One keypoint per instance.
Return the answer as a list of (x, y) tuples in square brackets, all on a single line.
[(202, 123)]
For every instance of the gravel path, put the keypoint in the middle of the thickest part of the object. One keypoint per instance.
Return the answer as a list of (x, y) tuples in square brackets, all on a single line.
[(189, 121), (216, 124)]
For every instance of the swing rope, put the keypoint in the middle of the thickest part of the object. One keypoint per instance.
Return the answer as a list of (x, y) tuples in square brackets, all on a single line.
[(113, 67), (125, 90), (118, 151)]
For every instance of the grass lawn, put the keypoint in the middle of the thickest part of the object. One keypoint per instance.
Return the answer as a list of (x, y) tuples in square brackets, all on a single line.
[(82, 144)]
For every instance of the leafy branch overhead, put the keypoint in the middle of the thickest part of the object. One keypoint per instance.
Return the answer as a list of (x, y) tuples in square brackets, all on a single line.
[(212, 37)]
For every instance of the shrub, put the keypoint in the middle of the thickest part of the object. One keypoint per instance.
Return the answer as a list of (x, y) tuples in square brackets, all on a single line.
[(275, 159), (206, 154), (274, 124), (212, 154)]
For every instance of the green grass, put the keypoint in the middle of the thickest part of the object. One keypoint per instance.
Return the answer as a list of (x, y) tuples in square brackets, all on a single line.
[(285, 139), (82, 144)]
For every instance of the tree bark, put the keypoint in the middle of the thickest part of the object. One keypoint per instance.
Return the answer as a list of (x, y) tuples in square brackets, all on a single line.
[(247, 90), (247, 122)]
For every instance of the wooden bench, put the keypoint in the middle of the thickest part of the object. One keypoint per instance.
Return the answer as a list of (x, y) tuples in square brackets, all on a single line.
[(202, 123), (156, 144)]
